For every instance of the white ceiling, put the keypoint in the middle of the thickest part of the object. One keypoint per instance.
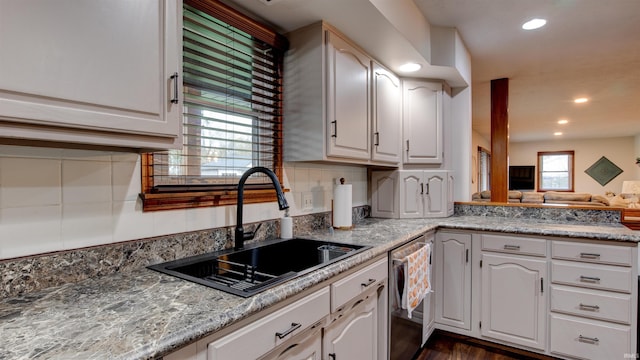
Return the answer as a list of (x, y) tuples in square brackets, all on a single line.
[(588, 48)]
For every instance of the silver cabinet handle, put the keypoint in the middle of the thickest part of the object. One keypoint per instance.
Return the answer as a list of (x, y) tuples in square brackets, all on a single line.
[(371, 281), (589, 256), (589, 307), (512, 247), (174, 78), (592, 340), (294, 327), (589, 279)]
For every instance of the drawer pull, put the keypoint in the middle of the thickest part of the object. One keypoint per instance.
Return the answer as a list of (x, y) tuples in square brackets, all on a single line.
[(589, 256), (589, 307), (512, 247), (294, 327), (589, 279), (591, 340), (371, 281)]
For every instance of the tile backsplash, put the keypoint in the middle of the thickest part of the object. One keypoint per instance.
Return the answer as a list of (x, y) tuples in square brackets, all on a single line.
[(61, 199)]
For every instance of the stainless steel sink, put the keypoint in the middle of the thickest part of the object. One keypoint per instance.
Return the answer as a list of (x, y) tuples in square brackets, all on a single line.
[(261, 266)]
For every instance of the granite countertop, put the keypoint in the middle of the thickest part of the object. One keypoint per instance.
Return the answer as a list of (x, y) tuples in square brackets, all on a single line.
[(144, 314)]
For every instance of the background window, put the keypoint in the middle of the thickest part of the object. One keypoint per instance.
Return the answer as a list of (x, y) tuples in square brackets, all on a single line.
[(555, 171), (484, 169)]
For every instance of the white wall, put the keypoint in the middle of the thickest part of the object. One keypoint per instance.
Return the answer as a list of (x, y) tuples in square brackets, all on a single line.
[(461, 141), (59, 199), (620, 151)]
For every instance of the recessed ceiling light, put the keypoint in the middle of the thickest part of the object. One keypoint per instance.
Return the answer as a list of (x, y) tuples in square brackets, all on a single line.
[(534, 24), (581, 100), (558, 133), (563, 121), (409, 67)]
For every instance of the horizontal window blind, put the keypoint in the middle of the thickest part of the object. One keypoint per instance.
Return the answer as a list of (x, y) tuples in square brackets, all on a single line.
[(232, 107)]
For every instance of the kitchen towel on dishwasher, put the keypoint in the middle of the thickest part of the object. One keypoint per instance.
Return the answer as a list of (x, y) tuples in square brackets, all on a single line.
[(417, 278)]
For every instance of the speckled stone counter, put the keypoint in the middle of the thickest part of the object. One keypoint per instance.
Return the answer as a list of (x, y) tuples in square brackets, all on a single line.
[(144, 314)]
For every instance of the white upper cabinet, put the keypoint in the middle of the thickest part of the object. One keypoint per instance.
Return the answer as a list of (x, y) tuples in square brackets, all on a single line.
[(93, 72), (348, 99), (387, 112), (340, 105), (425, 194), (422, 121)]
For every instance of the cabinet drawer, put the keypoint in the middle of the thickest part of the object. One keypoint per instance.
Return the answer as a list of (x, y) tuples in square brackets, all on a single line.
[(595, 253), (591, 303), (514, 244), (263, 335), (589, 339), (604, 277), (351, 286)]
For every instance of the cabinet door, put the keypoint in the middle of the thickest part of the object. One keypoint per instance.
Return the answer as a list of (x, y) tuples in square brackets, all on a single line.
[(514, 299), (429, 302), (422, 122), (411, 194), (435, 194), (386, 115), (348, 100), (98, 66), (453, 279), (354, 336), (384, 194)]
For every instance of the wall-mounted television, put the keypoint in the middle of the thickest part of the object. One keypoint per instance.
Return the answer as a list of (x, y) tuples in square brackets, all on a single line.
[(522, 177)]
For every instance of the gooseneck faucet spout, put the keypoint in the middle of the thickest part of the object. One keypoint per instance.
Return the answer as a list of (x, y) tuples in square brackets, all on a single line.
[(240, 235)]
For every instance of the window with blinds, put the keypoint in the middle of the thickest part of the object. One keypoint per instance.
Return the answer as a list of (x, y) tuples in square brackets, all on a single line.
[(232, 98)]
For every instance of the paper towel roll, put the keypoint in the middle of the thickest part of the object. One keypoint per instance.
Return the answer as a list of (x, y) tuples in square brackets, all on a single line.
[(286, 228), (342, 206)]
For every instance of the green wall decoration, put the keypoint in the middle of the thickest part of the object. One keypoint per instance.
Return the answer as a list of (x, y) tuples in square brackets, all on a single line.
[(603, 171)]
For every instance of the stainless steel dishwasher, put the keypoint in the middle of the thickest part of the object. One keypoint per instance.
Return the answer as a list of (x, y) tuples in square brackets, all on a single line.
[(407, 335)]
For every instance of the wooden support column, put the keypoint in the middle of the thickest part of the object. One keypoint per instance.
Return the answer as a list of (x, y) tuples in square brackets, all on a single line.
[(499, 140)]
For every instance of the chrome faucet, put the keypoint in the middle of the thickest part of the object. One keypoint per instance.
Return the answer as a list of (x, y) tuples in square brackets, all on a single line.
[(240, 235)]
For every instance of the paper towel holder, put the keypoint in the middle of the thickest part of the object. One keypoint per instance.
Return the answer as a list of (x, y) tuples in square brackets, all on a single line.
[(342, 181)]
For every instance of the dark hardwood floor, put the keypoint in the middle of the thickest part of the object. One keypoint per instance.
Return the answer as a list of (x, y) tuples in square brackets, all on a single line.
[(447, 346), (444, 345)]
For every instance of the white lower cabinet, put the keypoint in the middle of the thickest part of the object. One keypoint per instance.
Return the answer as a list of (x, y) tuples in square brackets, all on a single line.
[(272, 330), (453, 279), (594, 299), (344, 320), (354, 335), (588, 339), (568, 298), (514, 299)]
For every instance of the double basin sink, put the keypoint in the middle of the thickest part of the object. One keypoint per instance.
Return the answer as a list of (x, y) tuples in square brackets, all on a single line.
[(258, 267)]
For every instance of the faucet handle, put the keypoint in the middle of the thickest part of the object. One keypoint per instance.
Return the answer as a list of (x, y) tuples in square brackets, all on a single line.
[(251, 234)]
